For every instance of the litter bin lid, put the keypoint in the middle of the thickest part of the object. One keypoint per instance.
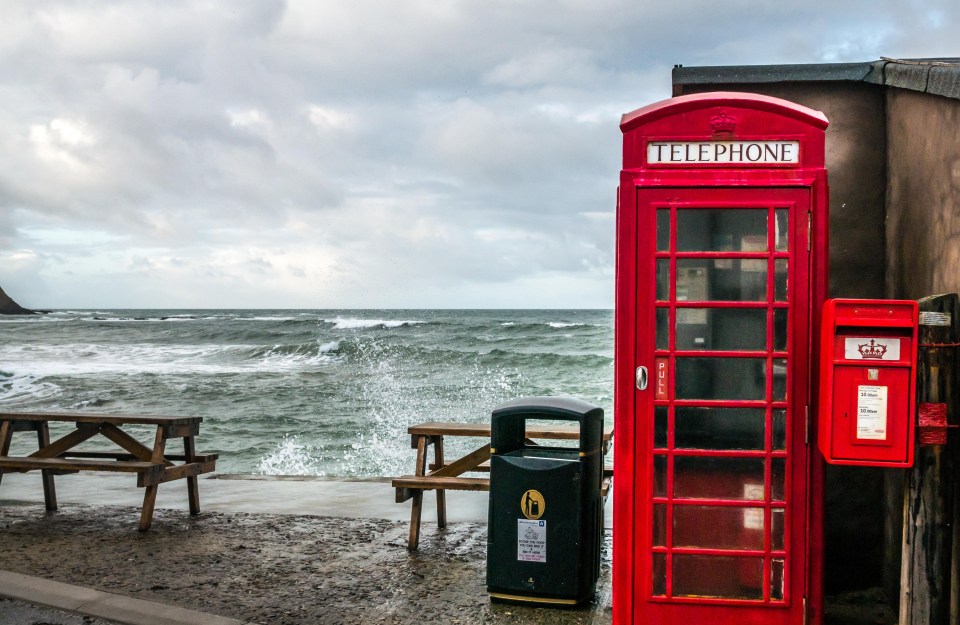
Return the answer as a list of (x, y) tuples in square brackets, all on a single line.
[(570, 406)]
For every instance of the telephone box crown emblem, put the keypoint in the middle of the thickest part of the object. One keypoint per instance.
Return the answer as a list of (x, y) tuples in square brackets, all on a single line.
[(722, 123), (872, 350)]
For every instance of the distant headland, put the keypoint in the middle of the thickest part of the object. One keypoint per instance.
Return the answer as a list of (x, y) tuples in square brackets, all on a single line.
[(10, 307)]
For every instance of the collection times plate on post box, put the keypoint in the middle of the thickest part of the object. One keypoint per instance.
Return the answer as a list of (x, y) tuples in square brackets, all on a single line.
[(868, 382)]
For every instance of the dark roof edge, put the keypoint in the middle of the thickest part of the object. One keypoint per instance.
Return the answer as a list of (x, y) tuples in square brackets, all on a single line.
[(935, 76)]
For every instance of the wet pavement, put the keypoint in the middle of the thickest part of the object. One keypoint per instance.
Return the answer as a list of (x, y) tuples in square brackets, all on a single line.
[(342, 558)]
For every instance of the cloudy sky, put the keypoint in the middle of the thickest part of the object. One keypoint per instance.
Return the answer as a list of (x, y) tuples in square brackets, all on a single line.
[(358, 153)]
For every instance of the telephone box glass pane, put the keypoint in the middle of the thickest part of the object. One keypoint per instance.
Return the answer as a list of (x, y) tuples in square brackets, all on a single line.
[(724, 329), (660, 427), (780, 329), (719, 428), (720, 378), (783, 229), (721, 279), (663, 320), (776, 529), (776, 580), (779, 379), (659, 476), (777, 478), (659, 525), (718, 527), (779, 441), (663, 279), (663, 230), (717, 576), (721, 230), (780, 280), (703, 477), (659, 574)]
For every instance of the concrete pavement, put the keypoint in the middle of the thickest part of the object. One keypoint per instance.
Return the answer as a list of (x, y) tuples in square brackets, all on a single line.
[(104, 605)]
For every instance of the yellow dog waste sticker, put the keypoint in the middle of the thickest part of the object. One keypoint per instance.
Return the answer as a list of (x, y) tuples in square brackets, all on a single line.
[(532, 504)]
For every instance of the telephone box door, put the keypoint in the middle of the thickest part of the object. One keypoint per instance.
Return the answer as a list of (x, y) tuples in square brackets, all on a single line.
[(722, 277)]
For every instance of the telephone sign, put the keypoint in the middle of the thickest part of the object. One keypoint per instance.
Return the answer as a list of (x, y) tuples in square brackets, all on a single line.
[(721, 273)]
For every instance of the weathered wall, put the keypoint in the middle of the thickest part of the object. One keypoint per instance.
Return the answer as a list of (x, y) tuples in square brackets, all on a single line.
[(922, 235), (923, 196), (856, 166)]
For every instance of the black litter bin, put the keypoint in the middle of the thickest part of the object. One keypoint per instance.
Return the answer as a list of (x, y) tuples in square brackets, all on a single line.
[(546, 513)]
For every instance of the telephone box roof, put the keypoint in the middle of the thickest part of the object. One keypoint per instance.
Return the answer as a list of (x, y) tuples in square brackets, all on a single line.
[(696, 101)]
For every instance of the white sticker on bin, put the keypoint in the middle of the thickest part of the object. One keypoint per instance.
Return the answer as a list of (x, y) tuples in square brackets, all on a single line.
[(531, 540)]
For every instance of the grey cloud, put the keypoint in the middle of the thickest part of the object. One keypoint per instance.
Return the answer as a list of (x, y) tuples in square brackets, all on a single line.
[(376, 153)]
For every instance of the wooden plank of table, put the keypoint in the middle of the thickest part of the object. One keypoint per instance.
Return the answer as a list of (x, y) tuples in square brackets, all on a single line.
[(150, 493), (117, 455), (464, 464), (86, 417), (30, 463), (533, 430), (193, 487), (127, 442), (6, 432), (430, 482), (441, 495), (65, 443), (25, 426), (49, 486), (413, 540), (179, 472)]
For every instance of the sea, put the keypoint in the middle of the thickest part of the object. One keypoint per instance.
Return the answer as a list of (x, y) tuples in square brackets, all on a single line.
[(303, 392)]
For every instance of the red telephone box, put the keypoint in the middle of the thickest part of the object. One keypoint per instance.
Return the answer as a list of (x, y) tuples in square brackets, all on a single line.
[(721, 273), (868, 382)]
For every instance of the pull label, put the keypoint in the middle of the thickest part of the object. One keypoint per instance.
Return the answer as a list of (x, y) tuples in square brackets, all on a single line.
[(661, 370)]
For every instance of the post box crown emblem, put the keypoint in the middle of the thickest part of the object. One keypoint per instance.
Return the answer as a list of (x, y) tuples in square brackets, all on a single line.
[(872, 350)]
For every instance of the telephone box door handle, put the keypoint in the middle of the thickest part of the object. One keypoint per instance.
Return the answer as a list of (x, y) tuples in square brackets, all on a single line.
[(641, 378)]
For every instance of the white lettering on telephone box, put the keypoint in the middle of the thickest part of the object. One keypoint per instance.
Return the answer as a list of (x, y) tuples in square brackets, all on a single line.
[(732, 152)]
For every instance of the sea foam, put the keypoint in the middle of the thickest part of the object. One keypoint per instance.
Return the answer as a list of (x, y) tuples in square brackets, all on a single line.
[(362, 324)]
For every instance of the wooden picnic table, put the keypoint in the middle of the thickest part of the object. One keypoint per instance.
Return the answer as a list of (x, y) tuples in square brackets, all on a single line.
[(153, 465), (442, 476)]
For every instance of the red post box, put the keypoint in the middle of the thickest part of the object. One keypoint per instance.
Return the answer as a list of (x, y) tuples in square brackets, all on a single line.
[(868, 382), (721, 275)]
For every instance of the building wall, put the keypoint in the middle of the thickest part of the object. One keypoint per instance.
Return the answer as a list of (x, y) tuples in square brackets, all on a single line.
[(923, 196), (856, 168)]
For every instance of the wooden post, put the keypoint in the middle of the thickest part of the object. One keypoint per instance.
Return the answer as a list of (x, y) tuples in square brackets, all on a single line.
[(928, 584)]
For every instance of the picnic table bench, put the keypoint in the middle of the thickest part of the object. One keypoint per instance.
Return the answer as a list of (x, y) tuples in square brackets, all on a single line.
[(153, 466), (442, 476)]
